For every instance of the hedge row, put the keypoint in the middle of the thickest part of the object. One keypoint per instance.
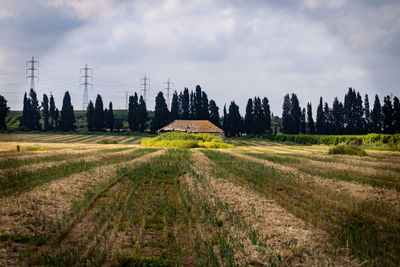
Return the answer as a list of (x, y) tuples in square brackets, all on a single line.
[(392, 140)]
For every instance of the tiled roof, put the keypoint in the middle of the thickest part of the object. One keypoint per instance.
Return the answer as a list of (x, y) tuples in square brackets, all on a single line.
[(192, 126)]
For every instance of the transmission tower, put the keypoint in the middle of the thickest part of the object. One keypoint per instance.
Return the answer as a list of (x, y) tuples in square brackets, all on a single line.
[(32, 69), (168, 89), (85, 84), (144, 84)]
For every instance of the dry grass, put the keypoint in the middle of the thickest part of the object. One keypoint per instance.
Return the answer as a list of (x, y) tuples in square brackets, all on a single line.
[(365, 192), (282, 233), (37, 211)]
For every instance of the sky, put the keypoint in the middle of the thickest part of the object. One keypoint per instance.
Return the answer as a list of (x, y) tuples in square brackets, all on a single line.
[(233, 49)]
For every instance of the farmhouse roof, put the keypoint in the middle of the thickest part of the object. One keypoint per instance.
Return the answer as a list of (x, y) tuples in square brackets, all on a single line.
[(191, 126)]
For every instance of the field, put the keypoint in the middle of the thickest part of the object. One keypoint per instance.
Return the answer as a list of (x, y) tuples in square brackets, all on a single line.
[(66, 199)]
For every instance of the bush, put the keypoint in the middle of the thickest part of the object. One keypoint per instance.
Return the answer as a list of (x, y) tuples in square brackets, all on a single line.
[(35, 147), (186, 140), (391, 140), (347, 150), (107, 141)]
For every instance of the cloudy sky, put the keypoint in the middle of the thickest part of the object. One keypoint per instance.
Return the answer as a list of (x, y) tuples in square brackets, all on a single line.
[(233, 49)]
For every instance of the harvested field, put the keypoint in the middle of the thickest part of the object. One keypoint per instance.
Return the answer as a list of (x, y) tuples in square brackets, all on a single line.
[(66, 200)]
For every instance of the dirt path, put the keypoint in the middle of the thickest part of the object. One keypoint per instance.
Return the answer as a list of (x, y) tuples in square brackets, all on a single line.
[(283, 234), (362, 191)]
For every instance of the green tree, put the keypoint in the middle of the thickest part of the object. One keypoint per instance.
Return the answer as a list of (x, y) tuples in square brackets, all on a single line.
[(266, 116), (388, 115), (367, 115), (24, 120), (161, 113), (249, 118), (396, 113), (224, 120), (295, 114), (328, 119), (184, 104), (197, 104), (142, 115), (214, 113), (52, 115), (67, 122), (259, 126), (90, 116), (35, 111), (98, 114), (3, 112), (192, 106), (204, 107), (286, 118), (234, 120), (303, 121), (376, 116), (337, 117), (110, 117), (45, 113), (174, 107), (320, 123), (310, 120)]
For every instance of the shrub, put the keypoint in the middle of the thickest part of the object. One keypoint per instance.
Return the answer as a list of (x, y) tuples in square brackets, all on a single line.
[(35, 147), (347, 150), (107, 141), (186, 140)]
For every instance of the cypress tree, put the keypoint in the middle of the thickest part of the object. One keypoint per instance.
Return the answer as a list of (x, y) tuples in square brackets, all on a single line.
[(367, 115), (214, 113), (131, 114), (320, 123), (396, 113), (90, 116), (303, 121), (45, 112), (234, 120), (351, 112), (24, 120), (106, 118), (258, 116), (376, 116), (249, 118), (3, 112), (184, 104), (98, 114), (224, 120), (197, 104), (337, 117), (52, 111), (388, 115), (359, 115), (35, 111), (295, 114), (286, 118), (174, 107), (142, 109), (161, 113), (110, 117), (192, 106), (67, 122), (310, 120), (56, 119), (204, 107), (266, 116), (328, 119)]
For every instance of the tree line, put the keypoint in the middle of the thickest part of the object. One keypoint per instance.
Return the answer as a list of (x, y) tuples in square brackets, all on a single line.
[(353, 116)]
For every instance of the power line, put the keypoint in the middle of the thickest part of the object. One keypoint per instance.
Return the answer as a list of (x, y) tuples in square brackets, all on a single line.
[(34, 65), (168, 88), (144, 83), (86, 84)]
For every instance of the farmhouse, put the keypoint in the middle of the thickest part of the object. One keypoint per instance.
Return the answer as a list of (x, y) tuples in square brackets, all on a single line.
[(193, 126)]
